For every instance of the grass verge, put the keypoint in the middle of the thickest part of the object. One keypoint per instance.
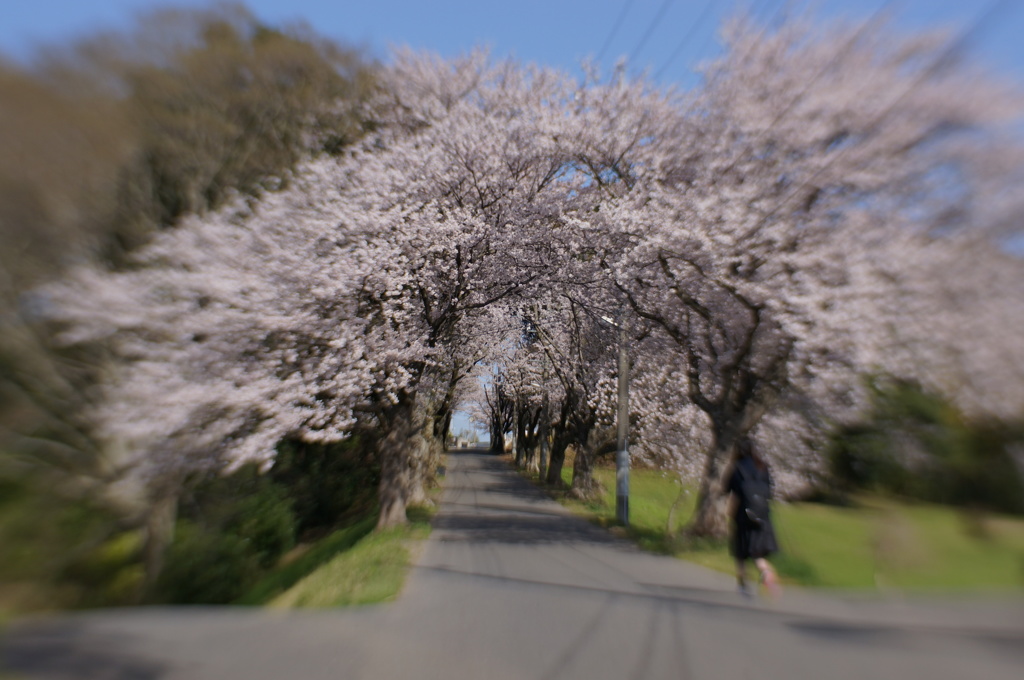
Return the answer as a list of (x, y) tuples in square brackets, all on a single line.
[(876, 543), (352, 566)]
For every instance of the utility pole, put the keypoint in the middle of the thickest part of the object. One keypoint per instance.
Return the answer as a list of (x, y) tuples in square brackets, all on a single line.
[(515, 429), (622, 449), (544, 422), (543, 429)]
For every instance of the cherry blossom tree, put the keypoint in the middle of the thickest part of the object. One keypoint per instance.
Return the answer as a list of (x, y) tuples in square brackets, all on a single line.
[(228, 334), (458, 188), (803, 157)]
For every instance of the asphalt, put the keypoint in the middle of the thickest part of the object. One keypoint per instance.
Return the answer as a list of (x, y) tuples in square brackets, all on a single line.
[(510, 585)]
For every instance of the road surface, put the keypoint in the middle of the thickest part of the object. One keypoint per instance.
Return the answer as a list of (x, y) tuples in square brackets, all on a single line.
[(509, 585)]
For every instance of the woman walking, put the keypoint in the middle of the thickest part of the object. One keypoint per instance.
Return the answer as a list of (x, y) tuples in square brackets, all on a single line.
[(753, 537)]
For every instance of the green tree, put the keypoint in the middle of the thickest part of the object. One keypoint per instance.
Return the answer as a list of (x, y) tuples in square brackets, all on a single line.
[(918, 444), (116, 136)]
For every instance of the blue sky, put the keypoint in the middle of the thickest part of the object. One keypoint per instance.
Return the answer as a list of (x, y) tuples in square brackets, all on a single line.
[(668, 36)]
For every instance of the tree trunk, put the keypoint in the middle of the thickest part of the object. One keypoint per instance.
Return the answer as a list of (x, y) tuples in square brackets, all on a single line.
[(584, 486), (710, 518), (497, 440), (543, 452), (531, 439), (435, 432), (398, 450), (159, 534), (530, 462), (554, 476), (420, 468), (515, 428), (520, 425), (446, 428)]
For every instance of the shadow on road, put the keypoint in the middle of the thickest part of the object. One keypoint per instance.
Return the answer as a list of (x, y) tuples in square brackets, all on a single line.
[(67, 649), (507, 509), (518, 529)]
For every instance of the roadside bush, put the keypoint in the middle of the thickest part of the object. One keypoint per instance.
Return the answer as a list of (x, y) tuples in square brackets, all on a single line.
[(229, 528), (327, 482), (109, 574), (266, 523), (918, 445), (861, 458), (233, 528), (206, 567), (63, 550), (981, 472)]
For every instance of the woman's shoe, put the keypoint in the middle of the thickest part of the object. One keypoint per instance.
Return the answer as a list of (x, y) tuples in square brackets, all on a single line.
[(746, 591)]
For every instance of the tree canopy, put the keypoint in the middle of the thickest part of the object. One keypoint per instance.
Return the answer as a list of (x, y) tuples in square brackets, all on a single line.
[(825, 205)]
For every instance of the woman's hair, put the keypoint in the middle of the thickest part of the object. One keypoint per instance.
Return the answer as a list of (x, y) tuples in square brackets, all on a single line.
[(745, 449)]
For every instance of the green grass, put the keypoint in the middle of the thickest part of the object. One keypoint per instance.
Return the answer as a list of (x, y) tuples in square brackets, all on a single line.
[(823, 545), (879, 542), (352, 566), (306, 560), (372, 570), (651, 495), (952, 548)]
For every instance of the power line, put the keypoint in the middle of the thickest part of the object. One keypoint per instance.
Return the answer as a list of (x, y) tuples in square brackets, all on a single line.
[(650, 29), (686, 39), (615, 29), (871, 21), (764, 26), (753, 11), (983, 18)]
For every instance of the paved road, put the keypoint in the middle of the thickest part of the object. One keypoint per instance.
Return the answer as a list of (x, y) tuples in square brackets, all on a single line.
[(510, 586)]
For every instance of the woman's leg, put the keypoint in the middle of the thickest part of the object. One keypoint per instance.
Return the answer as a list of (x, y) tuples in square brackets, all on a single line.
[(741, 577), (768, 576)]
